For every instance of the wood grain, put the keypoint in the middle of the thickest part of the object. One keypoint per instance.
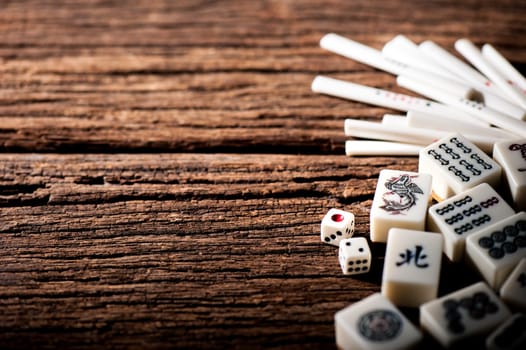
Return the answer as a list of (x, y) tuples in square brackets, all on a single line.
[(205, 76), (181, 251), (165, 166)]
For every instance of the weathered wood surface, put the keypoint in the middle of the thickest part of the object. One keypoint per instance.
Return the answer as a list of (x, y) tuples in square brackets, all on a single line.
[(208, 239), (207, 76), (184, 250)]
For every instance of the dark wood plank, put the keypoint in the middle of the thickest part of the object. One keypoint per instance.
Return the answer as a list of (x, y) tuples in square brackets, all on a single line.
[(189, 250), (107, 76), (217, 247)]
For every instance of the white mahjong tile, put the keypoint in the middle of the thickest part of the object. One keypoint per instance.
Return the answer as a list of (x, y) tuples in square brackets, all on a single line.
[(511, 335), (513, 290), (472, 311), (401, 200), (457, 165), (374, 323), (511, 155), (411, 267), (465, 214), (496, 249)]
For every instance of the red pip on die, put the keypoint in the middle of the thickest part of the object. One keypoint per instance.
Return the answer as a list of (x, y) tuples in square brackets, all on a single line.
[(337, 225)]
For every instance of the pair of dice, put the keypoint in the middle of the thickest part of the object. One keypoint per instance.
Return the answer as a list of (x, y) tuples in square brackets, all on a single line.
[(337, 228)]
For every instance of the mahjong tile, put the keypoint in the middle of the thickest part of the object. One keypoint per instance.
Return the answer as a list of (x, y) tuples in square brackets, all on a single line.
[(401, 200), (513, 290), (511, 335), (497, 249), (411, 267), (374, 323), (457, 165), (471, 311), (511, 155), (465, 214)]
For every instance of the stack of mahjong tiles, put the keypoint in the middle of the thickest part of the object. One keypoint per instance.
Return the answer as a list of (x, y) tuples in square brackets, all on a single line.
[(469, 221), (467, 202)]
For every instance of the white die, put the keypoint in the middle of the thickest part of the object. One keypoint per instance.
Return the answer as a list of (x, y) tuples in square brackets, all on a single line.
[(354, 256), (337, 225)]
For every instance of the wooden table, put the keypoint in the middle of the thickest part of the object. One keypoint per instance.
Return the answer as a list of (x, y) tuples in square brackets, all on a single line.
[(165, 166)]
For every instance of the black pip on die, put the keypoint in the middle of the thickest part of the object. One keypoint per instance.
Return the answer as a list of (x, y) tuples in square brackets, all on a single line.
[(457, 165), (337, 225)]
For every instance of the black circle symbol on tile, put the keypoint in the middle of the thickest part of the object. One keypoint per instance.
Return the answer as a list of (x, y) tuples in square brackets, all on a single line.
[(380, 325)]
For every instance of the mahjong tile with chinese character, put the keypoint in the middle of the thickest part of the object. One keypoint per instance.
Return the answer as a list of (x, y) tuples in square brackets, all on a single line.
[(411, 267)]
